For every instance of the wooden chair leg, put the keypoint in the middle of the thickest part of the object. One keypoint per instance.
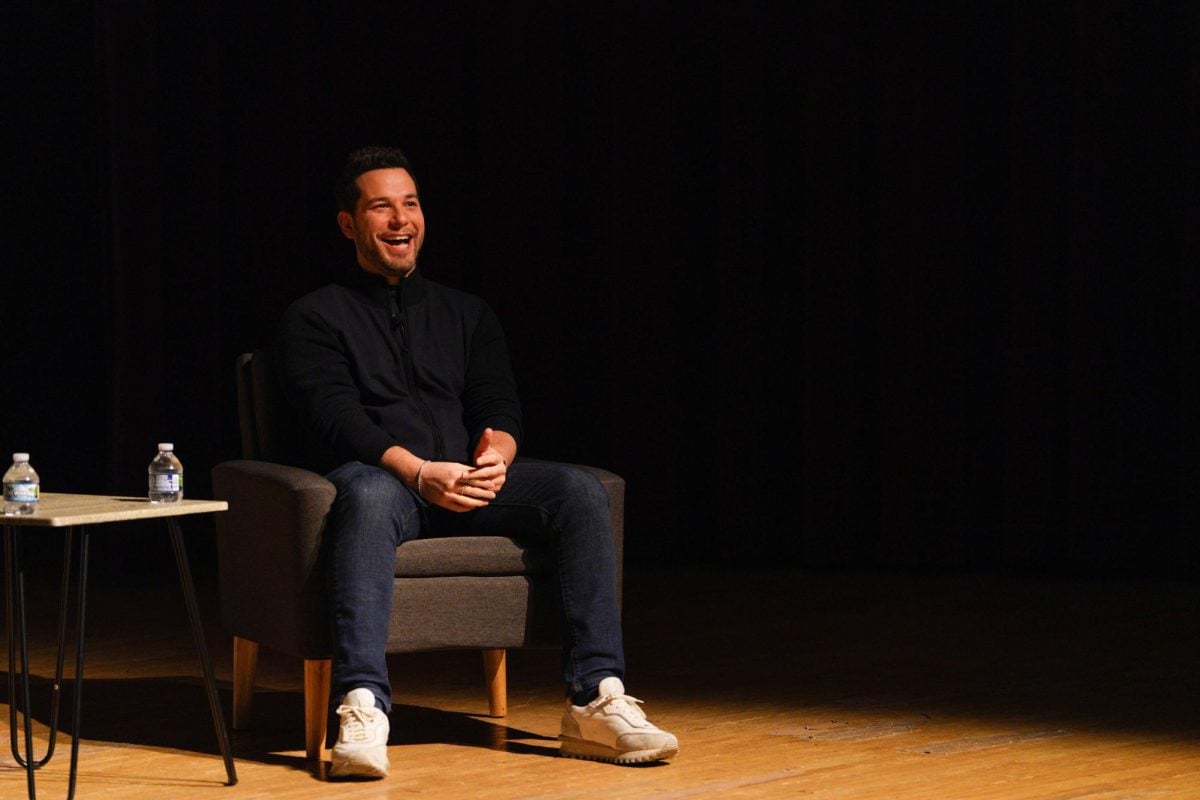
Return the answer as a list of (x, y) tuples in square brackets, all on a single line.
[(245, 666), (318, 675), (495, 674)]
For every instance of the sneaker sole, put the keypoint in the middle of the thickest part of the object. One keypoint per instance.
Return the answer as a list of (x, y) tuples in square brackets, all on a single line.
[(590, 751), (353, 765)]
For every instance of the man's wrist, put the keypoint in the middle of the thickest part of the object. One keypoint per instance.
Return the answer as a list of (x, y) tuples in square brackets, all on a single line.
[(417, 480)]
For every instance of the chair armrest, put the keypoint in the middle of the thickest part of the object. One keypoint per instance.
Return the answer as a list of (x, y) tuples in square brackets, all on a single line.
[(269, 553)]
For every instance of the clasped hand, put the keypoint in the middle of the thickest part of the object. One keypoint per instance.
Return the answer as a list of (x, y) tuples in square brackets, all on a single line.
[(460, 487)]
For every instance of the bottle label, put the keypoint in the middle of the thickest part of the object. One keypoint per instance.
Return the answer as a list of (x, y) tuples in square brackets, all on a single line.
[(21, 492), (166, 482)]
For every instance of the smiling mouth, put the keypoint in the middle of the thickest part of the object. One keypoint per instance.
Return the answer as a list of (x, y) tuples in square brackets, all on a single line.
[(397, 241)]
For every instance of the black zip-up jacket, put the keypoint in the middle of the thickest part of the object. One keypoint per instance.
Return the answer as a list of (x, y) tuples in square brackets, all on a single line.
[(368, 366)]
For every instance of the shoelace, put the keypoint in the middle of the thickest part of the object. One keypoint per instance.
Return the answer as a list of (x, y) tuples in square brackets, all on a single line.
[(623, 704), (354, 719)]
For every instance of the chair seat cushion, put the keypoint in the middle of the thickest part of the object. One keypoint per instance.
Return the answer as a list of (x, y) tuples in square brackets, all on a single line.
[(470, 555)]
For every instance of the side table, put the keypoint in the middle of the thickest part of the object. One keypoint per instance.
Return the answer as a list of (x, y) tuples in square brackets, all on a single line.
[(78, 511)]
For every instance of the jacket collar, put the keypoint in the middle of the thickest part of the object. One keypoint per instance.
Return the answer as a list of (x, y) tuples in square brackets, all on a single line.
[(410, 291)]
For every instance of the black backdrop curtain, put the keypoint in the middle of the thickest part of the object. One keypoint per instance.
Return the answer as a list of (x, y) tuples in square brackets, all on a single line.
[(830, 284)]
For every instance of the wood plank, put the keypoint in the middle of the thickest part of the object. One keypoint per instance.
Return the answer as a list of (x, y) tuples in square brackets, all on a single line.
[(57, 510), (779, 684)]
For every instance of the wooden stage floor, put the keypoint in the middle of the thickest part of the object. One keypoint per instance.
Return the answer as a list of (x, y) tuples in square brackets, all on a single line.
[(779, 684)]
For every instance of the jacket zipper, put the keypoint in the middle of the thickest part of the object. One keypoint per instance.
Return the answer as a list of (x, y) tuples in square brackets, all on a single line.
[(400, 326)]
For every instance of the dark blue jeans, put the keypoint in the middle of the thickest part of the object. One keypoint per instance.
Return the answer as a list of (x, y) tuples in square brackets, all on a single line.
[(374, 513)]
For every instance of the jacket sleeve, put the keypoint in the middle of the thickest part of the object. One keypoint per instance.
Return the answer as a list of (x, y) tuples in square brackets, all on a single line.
[(490, 397), (317, 378)]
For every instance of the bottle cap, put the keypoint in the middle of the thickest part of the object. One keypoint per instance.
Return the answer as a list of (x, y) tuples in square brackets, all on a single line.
[(165, 446), (20, 456)]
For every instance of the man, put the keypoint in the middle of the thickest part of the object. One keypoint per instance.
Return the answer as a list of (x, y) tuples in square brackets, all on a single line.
[(407, 385)]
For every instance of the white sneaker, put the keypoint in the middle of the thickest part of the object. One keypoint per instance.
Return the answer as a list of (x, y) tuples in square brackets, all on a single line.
[(612, 728), (361, 749)]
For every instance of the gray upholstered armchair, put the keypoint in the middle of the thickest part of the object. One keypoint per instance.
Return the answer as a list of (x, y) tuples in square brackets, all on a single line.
[(486, 593)]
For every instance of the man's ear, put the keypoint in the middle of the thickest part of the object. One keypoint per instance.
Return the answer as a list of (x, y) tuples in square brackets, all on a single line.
[(345, 222)]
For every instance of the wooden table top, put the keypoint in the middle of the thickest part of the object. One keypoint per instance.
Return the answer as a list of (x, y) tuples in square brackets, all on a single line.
[(60, 509)]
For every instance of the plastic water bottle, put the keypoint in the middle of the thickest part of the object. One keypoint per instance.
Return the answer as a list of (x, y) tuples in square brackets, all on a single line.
[(22, 487), (166, 475)]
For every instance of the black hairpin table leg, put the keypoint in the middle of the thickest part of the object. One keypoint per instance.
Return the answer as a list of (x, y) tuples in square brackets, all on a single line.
[(69, 511), (17, 628), (210, 683)]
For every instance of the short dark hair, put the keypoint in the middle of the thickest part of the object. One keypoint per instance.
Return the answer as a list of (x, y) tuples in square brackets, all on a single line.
[(365, 159)]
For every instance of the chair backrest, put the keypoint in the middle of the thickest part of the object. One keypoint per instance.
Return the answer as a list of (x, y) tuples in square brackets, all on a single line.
[(270, 428)]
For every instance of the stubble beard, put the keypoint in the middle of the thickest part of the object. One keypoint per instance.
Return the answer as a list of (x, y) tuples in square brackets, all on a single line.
[(383, 264)]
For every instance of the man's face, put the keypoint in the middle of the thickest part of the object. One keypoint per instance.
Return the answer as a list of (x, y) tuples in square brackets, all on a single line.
[(387, 226)]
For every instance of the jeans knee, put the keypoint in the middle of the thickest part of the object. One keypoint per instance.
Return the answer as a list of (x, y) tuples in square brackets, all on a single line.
[(584, 492), (370, 498), (373, 487)]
